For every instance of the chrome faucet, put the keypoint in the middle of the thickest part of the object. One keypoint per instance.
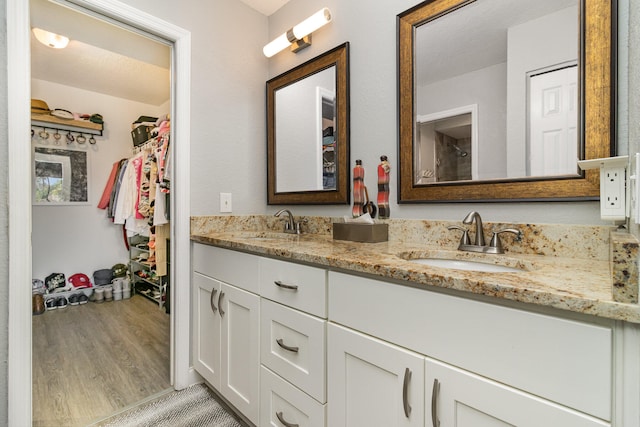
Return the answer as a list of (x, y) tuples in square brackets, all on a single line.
[(479, 245), (291, 226), (475, 216)]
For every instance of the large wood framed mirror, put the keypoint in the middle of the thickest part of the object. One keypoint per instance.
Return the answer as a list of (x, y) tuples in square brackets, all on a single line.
[(308, 132), (499, 99)]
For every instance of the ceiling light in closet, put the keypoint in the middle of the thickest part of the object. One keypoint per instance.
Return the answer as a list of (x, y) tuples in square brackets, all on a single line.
[(299, 36), (53, 40)]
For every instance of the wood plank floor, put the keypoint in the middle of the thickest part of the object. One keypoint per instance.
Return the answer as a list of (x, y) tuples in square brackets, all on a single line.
[(92, 360)]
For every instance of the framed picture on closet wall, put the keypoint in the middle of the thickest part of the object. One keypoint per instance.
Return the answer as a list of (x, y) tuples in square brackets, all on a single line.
[(60, 176)]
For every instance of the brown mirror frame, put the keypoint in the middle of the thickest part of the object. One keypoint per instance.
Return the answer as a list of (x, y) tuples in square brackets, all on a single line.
[(597, 114), (338, 57)]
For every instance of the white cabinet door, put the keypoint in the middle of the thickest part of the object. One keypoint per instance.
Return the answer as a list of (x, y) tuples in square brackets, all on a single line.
[(372, 383), (457, 398), (206, 328), (226, 344), (240, 361)]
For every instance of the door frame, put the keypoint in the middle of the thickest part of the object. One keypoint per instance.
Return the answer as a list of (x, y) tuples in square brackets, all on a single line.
[(19, 378)]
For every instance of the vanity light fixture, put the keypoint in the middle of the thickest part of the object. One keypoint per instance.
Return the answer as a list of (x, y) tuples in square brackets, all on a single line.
[(299, 36), (53, 40)]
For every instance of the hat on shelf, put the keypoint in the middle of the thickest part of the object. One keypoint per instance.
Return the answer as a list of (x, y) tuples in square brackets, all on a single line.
[(119, 270), (62, 114), (39, 106), (80, 281), (54, 281), (102, 276)]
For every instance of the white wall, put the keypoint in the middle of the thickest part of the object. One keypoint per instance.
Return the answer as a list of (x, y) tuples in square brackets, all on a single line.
[(228, 75), (4, 223), (370, 27), (80, 238)]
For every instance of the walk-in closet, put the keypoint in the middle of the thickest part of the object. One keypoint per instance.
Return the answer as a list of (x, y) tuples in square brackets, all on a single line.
[(101, 223)]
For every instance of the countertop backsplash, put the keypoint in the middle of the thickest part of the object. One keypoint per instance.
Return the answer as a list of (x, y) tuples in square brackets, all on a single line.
[(569, 241)]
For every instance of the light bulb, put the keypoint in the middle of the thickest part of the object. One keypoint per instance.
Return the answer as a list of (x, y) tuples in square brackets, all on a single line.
[(312, 23), (276, 45), (53, 40)]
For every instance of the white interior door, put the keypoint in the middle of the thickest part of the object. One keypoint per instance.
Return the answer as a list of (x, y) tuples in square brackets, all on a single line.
[(553, 122)]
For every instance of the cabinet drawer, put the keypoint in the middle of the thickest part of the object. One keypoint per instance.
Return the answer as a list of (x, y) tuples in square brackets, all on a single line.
[(279, 398), (298, 286), (293, 345), (565, 361), (236, 268)]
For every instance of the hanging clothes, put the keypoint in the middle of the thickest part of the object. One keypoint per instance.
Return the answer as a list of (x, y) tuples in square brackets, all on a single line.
[(108, 189)]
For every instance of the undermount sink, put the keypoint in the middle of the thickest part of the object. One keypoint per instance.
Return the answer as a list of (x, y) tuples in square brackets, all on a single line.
[(458, 264), (453, 261)]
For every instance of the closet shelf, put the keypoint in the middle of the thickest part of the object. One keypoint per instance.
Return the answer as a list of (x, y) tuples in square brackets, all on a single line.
[(51, 122)]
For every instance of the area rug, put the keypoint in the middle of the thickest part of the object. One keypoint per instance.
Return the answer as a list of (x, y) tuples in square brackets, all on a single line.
[(195, 406)]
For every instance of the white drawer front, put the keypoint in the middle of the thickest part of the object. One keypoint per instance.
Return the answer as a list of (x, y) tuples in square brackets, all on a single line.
[(236, 268), (298, 286), (562, 360), (293, 345), (278, 398)]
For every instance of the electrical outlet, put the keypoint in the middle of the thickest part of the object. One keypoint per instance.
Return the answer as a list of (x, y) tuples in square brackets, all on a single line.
[(612, 193), (225, 202)]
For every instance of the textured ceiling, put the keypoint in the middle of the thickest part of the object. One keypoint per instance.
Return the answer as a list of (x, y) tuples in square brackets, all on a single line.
[(101, 57)]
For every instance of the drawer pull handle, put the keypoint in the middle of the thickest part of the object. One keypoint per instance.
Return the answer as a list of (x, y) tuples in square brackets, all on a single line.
[(213, 294), (284, 422), (286, 347), (220, 304), (405, 390), (434, 403), (285, 286)]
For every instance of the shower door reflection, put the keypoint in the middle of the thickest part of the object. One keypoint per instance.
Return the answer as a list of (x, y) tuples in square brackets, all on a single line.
[(446, 148)]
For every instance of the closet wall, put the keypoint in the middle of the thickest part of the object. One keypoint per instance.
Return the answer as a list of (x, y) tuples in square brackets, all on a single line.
[(80, 238)]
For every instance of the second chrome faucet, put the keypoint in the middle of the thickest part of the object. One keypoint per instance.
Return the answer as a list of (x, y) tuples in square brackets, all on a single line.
[(291, 226), (479, 245)]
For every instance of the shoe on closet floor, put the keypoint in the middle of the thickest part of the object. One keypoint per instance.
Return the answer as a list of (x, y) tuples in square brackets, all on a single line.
[(83, 299), (74, 299), (50, 304), (37, 304), (61, 302)]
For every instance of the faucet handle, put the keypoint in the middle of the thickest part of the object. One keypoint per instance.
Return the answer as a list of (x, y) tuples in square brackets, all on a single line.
[(464, 240), (497, 243)]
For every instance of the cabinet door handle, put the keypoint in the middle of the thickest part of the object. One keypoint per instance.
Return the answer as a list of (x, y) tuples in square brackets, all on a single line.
[(405, 391), (213, 294), (286, 347), (220, 304), (434, 403), (285, 286), (285, 423)]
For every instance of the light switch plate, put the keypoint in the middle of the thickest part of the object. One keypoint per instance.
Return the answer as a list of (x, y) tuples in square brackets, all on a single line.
[(225, 202)]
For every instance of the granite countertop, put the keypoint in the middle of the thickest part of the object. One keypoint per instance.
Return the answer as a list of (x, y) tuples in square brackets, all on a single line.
[(582, 285)]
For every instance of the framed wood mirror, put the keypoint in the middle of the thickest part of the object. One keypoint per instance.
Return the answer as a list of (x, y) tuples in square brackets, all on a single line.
[(308, 132), (470, 115)]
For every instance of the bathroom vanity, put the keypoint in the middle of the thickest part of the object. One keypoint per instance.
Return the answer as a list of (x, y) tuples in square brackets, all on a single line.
[(310, 331)]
